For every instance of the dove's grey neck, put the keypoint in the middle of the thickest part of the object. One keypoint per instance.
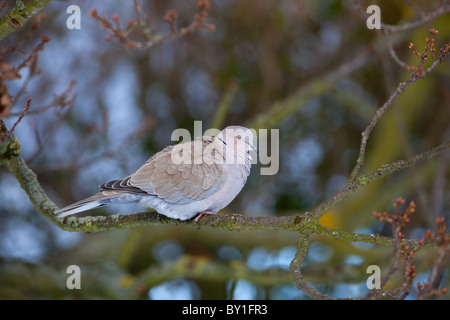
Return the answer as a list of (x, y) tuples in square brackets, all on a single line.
[(238, 172), (244, 168), (242, 162)]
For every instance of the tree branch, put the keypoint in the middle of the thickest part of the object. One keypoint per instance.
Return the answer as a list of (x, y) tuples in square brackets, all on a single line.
[(426, 17), (305, 224), (194, 267), (19, 15), (295, 269), (381, 111), (308, 221)]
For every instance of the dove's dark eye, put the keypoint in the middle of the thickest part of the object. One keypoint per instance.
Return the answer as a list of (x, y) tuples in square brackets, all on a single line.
[(221, 140), (238, 137)]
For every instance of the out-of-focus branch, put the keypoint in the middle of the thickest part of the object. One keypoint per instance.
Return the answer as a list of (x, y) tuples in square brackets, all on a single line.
[(224, 104), (152, 38), (121, 285), (8, 72), (425, 17), (59, 101), (194, 267), (316, 87), (19, 15)]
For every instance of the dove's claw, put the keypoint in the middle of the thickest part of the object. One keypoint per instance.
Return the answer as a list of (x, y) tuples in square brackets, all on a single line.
[(202, 213)]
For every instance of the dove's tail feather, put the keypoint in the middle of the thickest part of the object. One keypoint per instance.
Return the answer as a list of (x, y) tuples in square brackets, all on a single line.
[(70, 210), (93, 202), (98, 200)]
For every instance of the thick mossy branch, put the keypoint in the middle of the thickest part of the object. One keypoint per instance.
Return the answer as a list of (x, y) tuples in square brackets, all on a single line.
[(19, 15), (10, 157), (305, 223), (295, 268)]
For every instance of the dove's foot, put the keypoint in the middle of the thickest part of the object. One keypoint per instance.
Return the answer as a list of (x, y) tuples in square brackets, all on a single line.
[(202, 213)]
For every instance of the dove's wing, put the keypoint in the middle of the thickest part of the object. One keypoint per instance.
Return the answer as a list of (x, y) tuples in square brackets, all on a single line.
[(181, 183)]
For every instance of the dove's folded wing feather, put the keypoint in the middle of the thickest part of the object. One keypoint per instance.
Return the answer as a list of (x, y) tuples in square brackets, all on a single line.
[(176, 183)]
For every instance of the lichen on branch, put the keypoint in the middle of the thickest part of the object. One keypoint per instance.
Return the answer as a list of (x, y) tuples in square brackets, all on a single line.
[(18, 16)]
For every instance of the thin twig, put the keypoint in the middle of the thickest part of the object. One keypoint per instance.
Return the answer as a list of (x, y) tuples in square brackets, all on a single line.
[(396, 259), (371, 177), (3, 138), (152, 38), (64, 99), (394, 55), (381, 111)]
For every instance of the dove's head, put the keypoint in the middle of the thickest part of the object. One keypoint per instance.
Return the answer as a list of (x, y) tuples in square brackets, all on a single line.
[(237, 143)]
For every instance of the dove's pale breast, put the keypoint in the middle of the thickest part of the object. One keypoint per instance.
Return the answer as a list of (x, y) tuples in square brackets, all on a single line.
[(232, 180)]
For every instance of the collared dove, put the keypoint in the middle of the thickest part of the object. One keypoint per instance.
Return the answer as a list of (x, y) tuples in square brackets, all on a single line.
[(184, 180)]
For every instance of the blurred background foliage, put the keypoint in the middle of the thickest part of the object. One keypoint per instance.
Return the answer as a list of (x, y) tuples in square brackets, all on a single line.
[(269, 64)]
